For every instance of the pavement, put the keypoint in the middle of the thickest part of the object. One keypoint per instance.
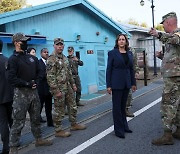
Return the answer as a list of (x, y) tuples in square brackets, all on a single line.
[(94, 105)]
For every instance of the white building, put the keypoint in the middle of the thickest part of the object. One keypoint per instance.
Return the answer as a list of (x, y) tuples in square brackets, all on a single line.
[(141, 39)]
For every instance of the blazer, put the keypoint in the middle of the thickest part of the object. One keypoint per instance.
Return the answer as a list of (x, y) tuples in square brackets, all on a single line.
[(6, 90), (118, 74), (43, 87)]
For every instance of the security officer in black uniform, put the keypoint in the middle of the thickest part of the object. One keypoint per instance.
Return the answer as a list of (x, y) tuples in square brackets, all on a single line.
[(6, 99), (23, 72)]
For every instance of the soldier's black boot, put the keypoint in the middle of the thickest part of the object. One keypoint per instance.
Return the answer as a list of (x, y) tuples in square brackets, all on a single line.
[(166, 139), (176, 134)]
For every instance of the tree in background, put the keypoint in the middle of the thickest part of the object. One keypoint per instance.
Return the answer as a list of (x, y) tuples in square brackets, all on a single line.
[(10, 5), (143, 24), (159, 27), (133, 22)]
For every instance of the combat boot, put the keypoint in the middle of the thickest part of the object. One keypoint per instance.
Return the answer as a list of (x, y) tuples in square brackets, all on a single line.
[(166, 139), (76, 126), (176, 134), (129, 114), (43, 142), (13, 150), (62, 133)]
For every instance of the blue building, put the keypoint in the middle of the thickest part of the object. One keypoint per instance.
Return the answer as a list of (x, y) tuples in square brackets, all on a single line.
[(79, 23)]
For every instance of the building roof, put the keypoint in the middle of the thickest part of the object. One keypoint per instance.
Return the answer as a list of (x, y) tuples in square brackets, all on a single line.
[(133, 28), (57, 5)]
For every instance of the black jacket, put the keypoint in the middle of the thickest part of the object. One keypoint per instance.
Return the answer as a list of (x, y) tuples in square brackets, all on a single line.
[(6, 91), (22, 68), (43, 87)]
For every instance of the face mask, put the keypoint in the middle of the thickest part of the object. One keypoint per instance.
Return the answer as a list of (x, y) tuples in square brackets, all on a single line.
[(24, 46)]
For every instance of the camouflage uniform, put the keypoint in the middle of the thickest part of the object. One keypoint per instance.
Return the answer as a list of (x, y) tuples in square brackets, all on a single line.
[(25, 99), (170, 105), (59, 78), (74, 69), (136, 70)]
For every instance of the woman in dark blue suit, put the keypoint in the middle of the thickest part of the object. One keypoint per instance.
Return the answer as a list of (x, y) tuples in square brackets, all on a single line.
[(119, 79)]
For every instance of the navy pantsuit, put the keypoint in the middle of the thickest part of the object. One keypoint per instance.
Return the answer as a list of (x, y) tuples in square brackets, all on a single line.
[(120, 78)]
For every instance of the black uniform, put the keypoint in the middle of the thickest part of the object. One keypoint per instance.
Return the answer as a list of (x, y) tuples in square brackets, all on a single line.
[(23, 71), (6, 98)]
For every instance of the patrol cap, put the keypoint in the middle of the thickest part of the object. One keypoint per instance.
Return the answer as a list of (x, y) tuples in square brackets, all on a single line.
[(70, 48), (169, 15), (20, 37), (58, 41)]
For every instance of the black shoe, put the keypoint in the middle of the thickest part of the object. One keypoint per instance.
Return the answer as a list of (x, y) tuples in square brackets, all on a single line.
[(5, 152), (128, 131), (50, 125), (42, 120), (120, 136)]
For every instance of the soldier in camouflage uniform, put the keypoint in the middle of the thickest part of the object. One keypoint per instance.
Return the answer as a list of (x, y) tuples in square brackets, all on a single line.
[(136, 70), (74, 62), (62, 84), (170, 105), (22, 75)]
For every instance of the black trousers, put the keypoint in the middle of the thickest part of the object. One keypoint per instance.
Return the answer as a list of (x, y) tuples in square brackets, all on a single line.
[(119, 99), (5, 123), (47, 100)]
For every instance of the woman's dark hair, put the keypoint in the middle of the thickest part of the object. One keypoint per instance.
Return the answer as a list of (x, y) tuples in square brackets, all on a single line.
[(127, 42), (29, 50)]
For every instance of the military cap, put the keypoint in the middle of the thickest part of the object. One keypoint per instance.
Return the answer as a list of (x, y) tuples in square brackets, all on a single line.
[(169, 15), (70, 49), (20, 37), (58, 41)]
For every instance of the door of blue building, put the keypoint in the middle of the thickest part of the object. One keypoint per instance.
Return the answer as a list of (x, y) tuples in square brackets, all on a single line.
[(102, 55)]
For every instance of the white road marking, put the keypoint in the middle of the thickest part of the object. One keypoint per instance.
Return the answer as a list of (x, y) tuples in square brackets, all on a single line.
[(96, 138)]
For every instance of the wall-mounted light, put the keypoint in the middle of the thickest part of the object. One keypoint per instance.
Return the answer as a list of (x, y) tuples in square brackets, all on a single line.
[(105, 39), (142, 2), (35, 31), (97, 33)]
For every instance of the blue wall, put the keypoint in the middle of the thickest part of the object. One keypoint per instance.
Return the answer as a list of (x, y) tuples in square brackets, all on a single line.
[(67, 23)]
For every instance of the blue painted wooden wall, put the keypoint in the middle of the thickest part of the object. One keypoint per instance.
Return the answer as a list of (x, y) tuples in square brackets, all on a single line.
[(67, 23)]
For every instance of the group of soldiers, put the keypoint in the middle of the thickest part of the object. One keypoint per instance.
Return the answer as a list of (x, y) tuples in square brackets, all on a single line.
[(23, 74), (63, 80)]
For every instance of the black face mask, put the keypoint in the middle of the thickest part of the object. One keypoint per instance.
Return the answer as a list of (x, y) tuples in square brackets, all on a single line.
[(24, 46)]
